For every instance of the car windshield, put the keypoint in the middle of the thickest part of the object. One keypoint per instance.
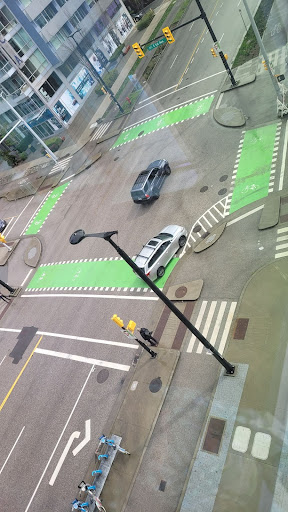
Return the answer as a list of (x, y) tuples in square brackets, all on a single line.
[(152, 243), (164, 236)]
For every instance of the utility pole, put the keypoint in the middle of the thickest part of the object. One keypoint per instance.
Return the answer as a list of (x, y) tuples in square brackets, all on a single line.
[(226, 65), (95, 72), (281, 106)]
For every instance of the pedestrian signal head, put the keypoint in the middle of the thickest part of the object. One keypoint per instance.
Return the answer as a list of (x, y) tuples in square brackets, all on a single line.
[(168, 34), (213, 52), (137, 48), (226, 56), (117, 320)]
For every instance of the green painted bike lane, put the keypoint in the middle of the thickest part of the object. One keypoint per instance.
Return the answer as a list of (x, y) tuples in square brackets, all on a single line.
[(168, 119), (254, 169), (86, 274), (45, 209)]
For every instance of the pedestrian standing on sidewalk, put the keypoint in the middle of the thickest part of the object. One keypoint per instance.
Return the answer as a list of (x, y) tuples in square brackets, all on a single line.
[(147, 336)]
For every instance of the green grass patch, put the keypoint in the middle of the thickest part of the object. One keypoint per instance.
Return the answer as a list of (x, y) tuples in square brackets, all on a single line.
[(146, 20), (250, 48)]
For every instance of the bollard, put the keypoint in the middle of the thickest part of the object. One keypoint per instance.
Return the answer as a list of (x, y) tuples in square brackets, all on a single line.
[(104, 456), (97, 472)]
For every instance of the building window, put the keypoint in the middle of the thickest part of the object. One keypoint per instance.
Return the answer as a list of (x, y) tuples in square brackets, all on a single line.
[(34, 65), (61, 2), (100, 24), (7, 21), (67, 28), (46, 15), (5, 65), (51, 85), (90, 3), (69, 65), (21, 42), (59, 38), (113, 8), (25, 2), (79, 15), (13, 85)]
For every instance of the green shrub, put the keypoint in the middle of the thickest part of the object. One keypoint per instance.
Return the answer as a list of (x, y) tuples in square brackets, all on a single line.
[(117, 52), (54, 144), (109, 78), (146, 20), (23, 145)]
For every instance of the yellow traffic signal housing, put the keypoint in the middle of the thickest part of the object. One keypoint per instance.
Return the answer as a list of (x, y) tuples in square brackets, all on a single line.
[(213, 52), (137, 48), (103, 90), (117, 320), (226, 56), (168, 34), (2, 238), (264, 64), (131, 326)]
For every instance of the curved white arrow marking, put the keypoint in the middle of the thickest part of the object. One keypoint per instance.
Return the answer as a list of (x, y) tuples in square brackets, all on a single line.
[(86, 438), (73, 436)]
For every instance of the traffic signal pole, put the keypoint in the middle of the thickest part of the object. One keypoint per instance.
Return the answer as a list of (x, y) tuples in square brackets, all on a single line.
[(225, 63), (79, 235)]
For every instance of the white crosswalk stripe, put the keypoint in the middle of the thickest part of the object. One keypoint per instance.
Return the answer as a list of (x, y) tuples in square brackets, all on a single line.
[(101, 131), (281, 242), (61, 165), (213, 319)]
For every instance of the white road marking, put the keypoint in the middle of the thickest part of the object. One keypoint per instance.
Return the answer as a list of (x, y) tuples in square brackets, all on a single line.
[(68, 177), (60, 437), (157, 93), (241, 217), (219, 100), (173, 61), (282, 230), (81, 359), (2, 360), (86, 439), (221, 37), (218, 323), (8, 457), (92, 296), (33, 214), (284, 154), (207, 325), (23, 282), (166, 109), (197, 325), (282, 238), (75, 338), (18, 217), (73, 436), (227, 327)]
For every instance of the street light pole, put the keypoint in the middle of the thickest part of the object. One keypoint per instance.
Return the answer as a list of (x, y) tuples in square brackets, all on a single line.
[(79, 235), (95, 72), (226, 66)]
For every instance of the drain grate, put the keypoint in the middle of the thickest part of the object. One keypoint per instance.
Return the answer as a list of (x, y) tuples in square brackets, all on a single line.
[(240, 328), (214, 435)]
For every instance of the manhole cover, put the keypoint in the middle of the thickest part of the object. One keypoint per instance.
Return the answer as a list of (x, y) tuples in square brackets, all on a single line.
[(222, 191), (197, 229), (155, 385), (141, 133), (117, 157), (203, 189), (102, 376), (224, 177), (180, 292)]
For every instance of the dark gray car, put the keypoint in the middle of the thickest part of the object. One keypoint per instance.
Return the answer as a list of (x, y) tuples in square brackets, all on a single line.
[(149, 182)]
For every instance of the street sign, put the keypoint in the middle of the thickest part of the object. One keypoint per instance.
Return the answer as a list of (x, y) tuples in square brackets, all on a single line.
[(162, 40)]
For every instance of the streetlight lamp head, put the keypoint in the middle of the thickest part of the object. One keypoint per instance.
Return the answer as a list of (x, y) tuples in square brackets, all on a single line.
[(77, 236)]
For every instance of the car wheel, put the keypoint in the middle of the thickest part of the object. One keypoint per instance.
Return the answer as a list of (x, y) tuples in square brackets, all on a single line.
[(156, 197), (160, 272), (182, 241), (167, 170)]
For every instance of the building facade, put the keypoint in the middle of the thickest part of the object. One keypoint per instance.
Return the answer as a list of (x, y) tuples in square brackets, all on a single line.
[(42, 74)]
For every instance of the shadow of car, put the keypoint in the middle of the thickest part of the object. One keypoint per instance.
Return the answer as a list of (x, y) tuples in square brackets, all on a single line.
[(159, 251), (149, 182)]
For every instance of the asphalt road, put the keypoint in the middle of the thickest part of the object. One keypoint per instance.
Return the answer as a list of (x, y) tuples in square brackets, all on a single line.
[(56, 394)]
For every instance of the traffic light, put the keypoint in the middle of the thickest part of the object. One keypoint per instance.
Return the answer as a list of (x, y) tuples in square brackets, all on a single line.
[(226, 56), (264, 64), (2, 238), (213, 52), (117, 320), (137, 48), (103, 90), (168, 34), (131, 326)]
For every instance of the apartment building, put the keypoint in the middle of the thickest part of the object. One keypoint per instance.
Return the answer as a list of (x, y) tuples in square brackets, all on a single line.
[(42, 75)]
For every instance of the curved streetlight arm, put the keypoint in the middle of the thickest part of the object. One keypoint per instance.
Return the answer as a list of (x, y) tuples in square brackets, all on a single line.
[(230, 369)]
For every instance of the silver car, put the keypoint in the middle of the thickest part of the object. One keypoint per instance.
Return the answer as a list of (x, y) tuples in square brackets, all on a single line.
[(157, 253)]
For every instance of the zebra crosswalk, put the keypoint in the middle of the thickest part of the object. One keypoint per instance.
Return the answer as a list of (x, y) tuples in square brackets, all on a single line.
[(61, 165), (101, 131), (281, 243), (213, 319)]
